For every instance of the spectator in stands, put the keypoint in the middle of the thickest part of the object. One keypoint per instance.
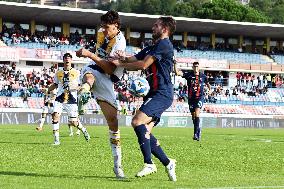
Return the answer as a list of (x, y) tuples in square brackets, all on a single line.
[(235, 91), (260, 81), (269, 81), (227, 93), (238, 76)]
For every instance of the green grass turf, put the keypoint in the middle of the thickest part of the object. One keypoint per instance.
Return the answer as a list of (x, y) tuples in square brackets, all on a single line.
[(228, 158)]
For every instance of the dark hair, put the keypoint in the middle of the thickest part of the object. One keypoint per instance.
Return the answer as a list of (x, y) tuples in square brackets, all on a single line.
[(67, 55), (111, 17), (195, 63), (169, 22)]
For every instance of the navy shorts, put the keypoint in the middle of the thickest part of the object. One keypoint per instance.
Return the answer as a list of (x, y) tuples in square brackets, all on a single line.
[(195, 103), (154, 105)]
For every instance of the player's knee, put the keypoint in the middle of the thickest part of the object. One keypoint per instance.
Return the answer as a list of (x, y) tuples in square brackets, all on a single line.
[(135, 122), (73, 122), (112, 120), (154, 143)]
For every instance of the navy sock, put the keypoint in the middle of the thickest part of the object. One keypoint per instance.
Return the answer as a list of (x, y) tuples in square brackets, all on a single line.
[(196, 125), (144, 143), (158, 152)]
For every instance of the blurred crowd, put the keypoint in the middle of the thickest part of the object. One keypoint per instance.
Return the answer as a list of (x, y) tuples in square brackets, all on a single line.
[(52, 39), (14, 83)]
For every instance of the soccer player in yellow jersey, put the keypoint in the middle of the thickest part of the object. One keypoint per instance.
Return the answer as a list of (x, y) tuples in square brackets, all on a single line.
[(67, 83), (48, 109), (99, 76)]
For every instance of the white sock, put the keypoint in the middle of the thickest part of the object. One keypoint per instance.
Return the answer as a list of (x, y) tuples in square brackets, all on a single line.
[(41, 122), (81, 127), (56, 135), (70, 128), (115, 147), (56, 131)]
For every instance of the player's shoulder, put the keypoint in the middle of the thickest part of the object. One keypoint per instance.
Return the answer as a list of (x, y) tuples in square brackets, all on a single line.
[(59, 73), (120, 36), (74, 72), (120, 39), (164, 43)]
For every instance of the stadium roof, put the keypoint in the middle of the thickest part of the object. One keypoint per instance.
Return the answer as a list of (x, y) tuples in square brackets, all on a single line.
[(42, 14)]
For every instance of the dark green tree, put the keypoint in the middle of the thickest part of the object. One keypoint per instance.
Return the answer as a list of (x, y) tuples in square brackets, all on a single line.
[(277, 14), (229, 10), (183, 10)]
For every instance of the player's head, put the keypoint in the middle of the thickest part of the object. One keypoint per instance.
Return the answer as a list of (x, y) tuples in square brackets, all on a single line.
[(163, 27), (67, 59), (195, 67), (110, 23)]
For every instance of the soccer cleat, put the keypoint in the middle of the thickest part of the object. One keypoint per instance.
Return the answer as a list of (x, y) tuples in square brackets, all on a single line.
[(39, 129), (171, 170), (83, 99), (86, 135), (118, 171), (148, 169), (71, 134), (56, 143), (195, 137), (78, 132)]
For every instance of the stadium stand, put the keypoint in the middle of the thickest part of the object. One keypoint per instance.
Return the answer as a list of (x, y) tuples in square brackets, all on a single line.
[(236, 89)]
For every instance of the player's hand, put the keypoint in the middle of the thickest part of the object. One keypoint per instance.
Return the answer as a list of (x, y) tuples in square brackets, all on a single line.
[(83, 53)]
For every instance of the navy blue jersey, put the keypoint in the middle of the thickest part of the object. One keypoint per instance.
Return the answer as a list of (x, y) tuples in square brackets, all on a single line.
[(195, 84), (158, 73)]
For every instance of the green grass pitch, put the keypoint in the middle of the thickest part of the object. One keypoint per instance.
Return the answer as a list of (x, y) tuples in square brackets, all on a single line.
[(225, 158)]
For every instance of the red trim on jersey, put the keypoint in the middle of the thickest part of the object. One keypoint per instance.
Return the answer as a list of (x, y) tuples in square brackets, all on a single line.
[(155, 76), (197, 94), (190, 90)]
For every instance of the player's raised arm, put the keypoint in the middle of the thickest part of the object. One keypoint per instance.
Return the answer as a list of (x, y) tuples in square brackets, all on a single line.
[(120, 55), (103, 63), (135, 64), (176, 70)]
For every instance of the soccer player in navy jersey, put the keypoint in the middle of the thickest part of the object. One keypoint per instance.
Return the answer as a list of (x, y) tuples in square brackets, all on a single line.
[(196, 82), (157, 61)]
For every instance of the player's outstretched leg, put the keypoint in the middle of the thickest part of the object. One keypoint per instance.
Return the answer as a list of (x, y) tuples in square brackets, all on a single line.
[(114, 137), (157, 151)]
